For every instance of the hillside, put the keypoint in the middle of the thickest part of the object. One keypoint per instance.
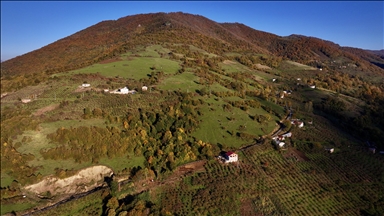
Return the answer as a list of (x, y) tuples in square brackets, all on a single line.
[(109, 38), (156, 98)]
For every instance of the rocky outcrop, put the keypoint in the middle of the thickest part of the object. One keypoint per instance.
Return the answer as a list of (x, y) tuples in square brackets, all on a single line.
[(85, 180)]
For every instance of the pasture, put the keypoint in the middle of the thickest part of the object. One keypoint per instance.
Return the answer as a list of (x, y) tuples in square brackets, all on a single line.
[(134, 67), (219, 126), (186, 81)]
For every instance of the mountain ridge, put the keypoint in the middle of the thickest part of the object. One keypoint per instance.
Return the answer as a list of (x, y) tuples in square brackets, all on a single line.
[(111, 37)]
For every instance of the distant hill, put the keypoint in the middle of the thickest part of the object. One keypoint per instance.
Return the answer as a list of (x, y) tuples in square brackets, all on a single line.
[(377, 52), (110, 38)]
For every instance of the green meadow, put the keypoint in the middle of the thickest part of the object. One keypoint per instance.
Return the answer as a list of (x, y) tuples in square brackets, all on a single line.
[(135, 68), (221, 127)]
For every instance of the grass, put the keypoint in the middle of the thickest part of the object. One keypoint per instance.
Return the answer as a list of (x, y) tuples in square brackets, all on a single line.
[(136, 68), (38, 141), (219, 88), (299, 66), (185, 82), (6, 180), (193, 48), (233, 66), (6, 208), (216, 125), (119, 163)]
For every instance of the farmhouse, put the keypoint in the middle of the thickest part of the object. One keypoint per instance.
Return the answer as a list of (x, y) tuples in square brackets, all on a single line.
[(144, 88), (25, 100), (228, 157), (85, 85), (279, 139), (287, 135), (124, 90), (297, 123), (330, 150)]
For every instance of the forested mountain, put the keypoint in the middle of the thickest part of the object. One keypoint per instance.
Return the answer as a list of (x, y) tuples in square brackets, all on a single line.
[(109, 38), (153, 100)]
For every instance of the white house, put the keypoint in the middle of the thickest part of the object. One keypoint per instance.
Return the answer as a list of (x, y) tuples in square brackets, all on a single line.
[(25, 100), (229, 157), (123, 90), (144, 88), (312, 86), (287, 135), (297, 122), (330, 150), (278, 141), (85, 85)]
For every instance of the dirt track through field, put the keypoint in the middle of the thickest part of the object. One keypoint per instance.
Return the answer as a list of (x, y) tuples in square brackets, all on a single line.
[(43, 110), (178, 174)]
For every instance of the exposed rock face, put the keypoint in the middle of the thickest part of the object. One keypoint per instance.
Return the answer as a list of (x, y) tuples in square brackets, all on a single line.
[(85, 180)]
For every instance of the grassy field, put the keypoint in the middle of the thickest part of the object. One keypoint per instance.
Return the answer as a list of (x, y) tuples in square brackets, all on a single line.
[(37, 140), (16, 207), (119, 163), (233, 66), (6, 180), (298, 66), (184, 82), (219, 126), (193, 48), (135, 67)]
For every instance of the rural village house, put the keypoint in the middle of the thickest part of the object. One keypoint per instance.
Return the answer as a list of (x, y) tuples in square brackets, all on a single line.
[(280, 138), (330, 150), (228, 157), (124, 90), (25, 100), (297, 123)]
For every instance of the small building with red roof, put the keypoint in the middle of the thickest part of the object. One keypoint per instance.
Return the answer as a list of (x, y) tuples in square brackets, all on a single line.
[(229, 157)]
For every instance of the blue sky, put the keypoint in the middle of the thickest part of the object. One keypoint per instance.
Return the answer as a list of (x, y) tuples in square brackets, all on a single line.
[(30, 25)]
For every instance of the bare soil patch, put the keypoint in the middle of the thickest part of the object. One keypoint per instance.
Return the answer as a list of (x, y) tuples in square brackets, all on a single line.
[(85, 180), (298, 155), (262, 67), (247, 208), (110, 60), (227, 62), (43, 110), (178, 174)]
